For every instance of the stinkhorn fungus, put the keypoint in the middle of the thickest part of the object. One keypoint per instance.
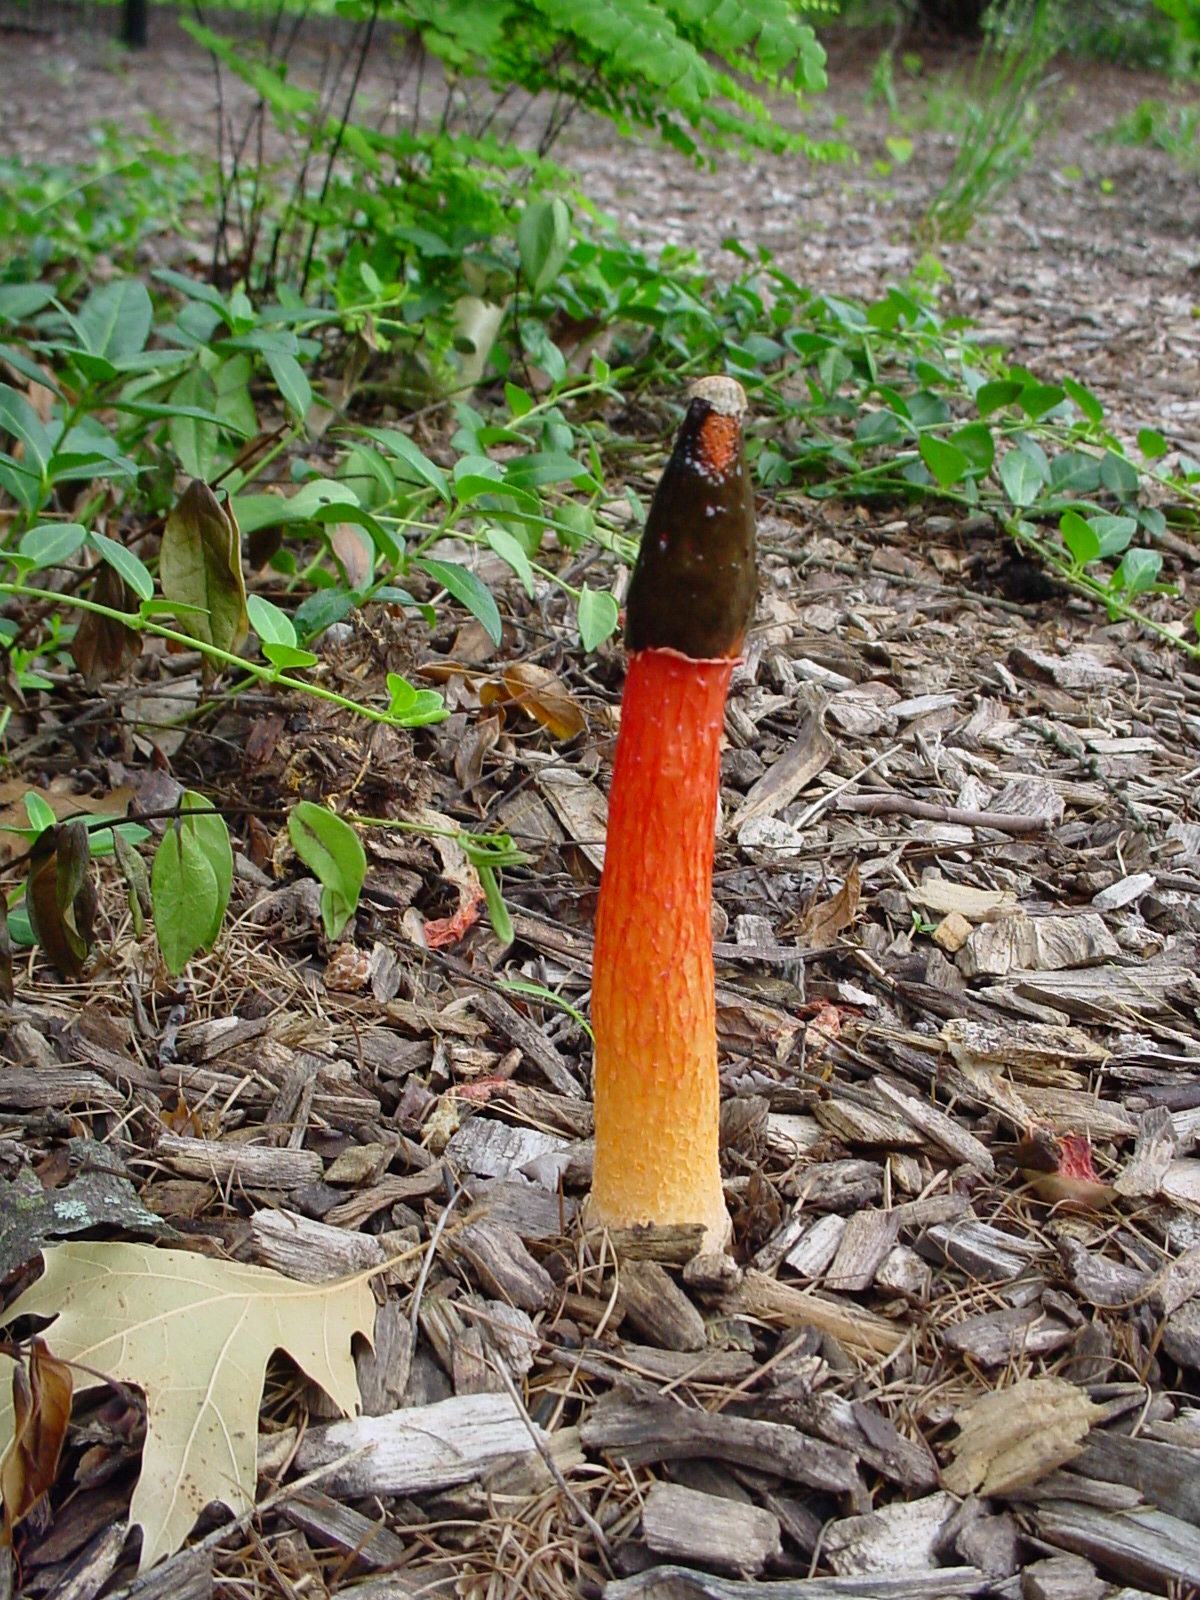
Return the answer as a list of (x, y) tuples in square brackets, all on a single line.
[(653, 999)]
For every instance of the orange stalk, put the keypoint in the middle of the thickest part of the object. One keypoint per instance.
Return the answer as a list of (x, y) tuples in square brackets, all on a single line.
[(653, 1003), (657, 1090)]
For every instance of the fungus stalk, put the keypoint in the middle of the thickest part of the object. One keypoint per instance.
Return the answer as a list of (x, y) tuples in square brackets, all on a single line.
[(653, 1001)]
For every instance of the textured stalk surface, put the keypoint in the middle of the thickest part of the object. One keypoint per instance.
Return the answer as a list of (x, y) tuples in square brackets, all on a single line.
[(653, 1001)]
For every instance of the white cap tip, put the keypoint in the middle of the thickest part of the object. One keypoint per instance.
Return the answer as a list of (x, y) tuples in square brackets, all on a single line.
[(725, 395)]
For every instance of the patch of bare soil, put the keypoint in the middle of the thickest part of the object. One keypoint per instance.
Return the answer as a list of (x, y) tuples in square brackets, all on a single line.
[(956, 917)]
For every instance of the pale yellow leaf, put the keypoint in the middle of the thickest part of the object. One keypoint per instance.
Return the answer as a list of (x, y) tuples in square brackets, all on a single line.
[(195, 1336)]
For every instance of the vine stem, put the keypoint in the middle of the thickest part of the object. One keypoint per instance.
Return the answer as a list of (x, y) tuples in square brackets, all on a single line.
[(139, 624), (1097, 591)]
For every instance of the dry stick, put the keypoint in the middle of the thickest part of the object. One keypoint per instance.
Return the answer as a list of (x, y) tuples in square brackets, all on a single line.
[(877, 805), (459, 1191), (813, 811), (547, 1455)]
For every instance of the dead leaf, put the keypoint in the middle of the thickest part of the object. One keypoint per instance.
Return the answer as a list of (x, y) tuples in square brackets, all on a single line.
[(41, 1411), (353, 552), (137, 879), (1013, 1437), (536, 691), (195, 1335), (61, 898), (823, 923), (200, 564), (102, 649)]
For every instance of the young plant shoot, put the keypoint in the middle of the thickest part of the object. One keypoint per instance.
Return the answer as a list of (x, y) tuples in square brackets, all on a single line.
[(653, 999)]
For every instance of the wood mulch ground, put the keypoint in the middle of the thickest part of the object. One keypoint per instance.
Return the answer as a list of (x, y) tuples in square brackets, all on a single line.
[(956, 906)]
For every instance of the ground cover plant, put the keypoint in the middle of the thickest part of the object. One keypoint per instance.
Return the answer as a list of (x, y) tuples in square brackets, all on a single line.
[(316, 535)]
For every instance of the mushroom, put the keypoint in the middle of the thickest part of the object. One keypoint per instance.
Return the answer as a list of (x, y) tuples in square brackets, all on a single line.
[(653, 998)]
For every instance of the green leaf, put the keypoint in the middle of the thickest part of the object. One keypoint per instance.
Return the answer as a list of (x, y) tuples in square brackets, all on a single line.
[(976, 443), (545, 467), (1074, 472), (1138, 572), (947, 463), (137, 881), (194, 289), (1081, 540), (19, 418), (468, 590), (876, 428), (1114, 534), (1035, 399), (1084, 399), (1118, 476), (598, 615), (511, 551), (833, 368), (183, 888), (194, 441), (411, 707), (51, 544), (517, 400), (20, 301), (272, 625), (414, 465), (497, 910), (211, 834), (1021, 476), (288, 657), (334, 852), (995, 396), (200, 564), (115, 320), (1151, 443), (39, 811), (291, 381), (125, 563), (321, 611), (544, 242)]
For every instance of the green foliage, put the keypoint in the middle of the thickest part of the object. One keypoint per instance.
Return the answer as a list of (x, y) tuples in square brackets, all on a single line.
[(1004, 115), (334, 852), (1174, 128), (190, 881)]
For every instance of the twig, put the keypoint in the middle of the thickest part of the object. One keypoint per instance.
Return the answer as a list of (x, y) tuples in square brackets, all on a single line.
[(815, 810), (547, 1455), (459, 1191), (891, 804)]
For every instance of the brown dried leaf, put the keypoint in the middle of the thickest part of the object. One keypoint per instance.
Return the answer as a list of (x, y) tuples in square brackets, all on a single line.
[(200, 564), (42, 1410), (824, 922), (353, 552), (102, 649), (538, 693), (61, 898)]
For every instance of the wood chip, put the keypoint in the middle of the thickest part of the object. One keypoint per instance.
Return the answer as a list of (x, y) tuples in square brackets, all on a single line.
[(700, 1527)]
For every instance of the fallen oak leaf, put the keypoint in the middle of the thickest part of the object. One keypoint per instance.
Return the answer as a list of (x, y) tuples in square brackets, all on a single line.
[(195, 1335), (41, 1405)]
